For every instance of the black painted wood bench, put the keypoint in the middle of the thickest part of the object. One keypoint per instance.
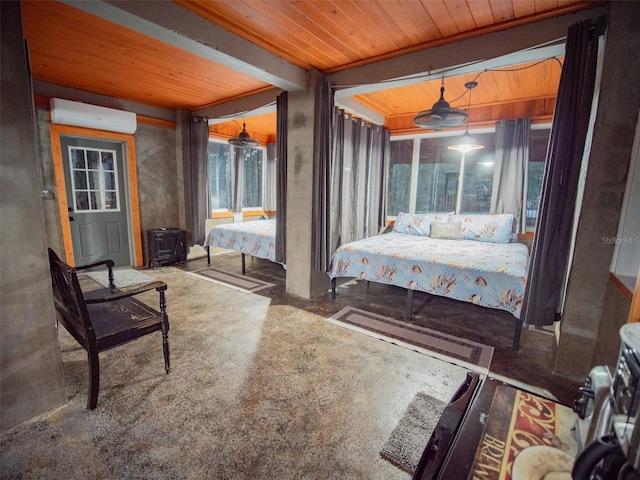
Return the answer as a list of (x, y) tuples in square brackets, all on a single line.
[(105, 318)]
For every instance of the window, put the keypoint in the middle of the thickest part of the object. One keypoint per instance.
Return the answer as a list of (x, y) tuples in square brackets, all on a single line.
[(221, 174), (535, 173), (252, 179), (425, 176), (94, 176)]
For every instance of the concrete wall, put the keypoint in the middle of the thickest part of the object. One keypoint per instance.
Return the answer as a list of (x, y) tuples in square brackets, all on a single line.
[(31, 380), (158, 187), (583, 325)]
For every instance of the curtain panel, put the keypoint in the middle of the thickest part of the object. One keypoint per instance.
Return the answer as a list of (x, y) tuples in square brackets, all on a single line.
[(237, 179), (321, 216), (359, 175), (270, 178), (542, 302), (281, 177), (509, 194), (199, 187)]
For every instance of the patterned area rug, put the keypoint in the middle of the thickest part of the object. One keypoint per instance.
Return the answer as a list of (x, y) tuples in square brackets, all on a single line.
[(408, 440), (124, 277), (465, 353), (241, 283)]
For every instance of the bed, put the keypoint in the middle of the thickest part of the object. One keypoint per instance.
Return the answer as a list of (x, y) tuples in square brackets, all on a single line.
[(256, 238), (471, 258)]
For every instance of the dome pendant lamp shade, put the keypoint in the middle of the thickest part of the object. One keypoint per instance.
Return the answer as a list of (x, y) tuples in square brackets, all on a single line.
[(243, 139), (441, 115)]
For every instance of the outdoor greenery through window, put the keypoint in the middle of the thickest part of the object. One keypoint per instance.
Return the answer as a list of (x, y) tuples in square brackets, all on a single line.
[(220, 174), (426, 176)]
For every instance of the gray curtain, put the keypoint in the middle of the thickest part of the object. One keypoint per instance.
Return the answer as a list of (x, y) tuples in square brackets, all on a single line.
[(281, 180), (359, 175), (321, 211), (552, 240), (270, 178), (199, 187), (237, 171), (509, 193)]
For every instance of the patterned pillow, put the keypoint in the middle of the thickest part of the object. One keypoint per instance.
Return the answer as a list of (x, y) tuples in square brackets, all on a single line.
[(446, 230), (484, 227), (417, 224)]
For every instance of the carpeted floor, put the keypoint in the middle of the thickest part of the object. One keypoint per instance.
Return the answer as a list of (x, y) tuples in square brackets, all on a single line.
[(260, 388)]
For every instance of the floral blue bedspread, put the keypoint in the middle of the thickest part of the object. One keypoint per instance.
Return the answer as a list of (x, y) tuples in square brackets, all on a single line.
[(493, 275), (256, 238)]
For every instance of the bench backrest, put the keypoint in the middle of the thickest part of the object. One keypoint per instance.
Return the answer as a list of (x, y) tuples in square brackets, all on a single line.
[(70, 303)]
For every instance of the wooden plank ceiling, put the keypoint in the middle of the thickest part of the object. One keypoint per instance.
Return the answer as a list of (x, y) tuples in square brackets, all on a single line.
[(74, 48)]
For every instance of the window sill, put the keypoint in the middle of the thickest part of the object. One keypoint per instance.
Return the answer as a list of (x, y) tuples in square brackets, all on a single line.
[(625, 283)]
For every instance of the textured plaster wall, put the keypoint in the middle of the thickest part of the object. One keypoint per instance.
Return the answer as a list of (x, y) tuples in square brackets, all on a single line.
[(158, 187), (31, 379), (583, 326)]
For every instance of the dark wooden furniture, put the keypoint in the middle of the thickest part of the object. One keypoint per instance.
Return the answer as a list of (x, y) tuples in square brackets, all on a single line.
[(451, 450), (105, 318), (166, 246)]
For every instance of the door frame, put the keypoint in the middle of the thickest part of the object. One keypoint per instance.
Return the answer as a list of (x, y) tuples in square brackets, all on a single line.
[(131, 184)]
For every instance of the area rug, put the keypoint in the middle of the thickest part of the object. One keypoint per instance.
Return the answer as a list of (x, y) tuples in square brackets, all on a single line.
[(241, 283), (123, 277), (466, 353), (409, 439)]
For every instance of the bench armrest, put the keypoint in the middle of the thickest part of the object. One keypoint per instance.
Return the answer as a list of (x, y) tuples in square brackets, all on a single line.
[(108, 263), (158, 285)]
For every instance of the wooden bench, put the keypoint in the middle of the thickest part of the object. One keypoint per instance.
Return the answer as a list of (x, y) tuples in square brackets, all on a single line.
[(105, 318)]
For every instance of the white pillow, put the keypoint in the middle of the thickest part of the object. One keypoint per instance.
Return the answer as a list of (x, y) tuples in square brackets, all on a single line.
[(446, 230)]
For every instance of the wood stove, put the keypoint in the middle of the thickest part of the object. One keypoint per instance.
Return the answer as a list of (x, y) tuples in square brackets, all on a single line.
[(166, 246)]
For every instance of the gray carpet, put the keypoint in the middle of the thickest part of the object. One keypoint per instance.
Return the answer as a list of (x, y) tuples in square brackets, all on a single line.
[(259, 388), (466, 353), (242, 283), (407, 441)]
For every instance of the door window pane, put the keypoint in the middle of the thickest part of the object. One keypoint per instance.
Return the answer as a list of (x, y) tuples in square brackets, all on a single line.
[(94, 182)]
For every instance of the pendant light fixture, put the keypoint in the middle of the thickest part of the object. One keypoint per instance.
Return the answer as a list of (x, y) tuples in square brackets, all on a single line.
[(243, 139), (466, 142), (440, 115)]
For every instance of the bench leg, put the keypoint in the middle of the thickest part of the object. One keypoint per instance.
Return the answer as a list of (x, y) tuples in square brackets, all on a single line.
[(407, 315), (208, 255), (333, 288), (243, 265), (94, 379)]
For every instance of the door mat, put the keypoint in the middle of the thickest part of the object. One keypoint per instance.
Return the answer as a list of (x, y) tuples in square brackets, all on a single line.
[(242, 283), (465, 353), (410, 437), (123, 277)]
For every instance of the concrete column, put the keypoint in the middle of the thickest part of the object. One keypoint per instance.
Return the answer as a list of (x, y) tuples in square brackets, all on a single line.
[(302, 279), (31, 379), (603, 194)]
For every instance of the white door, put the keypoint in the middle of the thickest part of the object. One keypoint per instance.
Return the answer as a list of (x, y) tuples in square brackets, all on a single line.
[(97, 197)]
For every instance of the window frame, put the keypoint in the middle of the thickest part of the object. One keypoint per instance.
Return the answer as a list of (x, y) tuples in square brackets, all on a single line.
[(413, 187), (232, 153)]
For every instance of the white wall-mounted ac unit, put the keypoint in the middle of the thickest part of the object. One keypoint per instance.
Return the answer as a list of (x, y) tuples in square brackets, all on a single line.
[(81, 114)]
